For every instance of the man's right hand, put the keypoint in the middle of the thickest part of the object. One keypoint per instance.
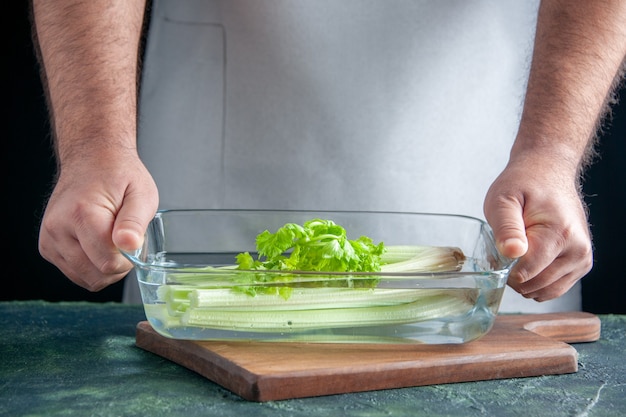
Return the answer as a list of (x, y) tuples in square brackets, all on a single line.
[(100, 204)]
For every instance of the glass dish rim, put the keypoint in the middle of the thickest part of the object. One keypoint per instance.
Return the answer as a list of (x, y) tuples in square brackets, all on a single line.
[(175, 267)]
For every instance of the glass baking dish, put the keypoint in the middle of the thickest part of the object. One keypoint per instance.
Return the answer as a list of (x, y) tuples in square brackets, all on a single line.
[(191, 288)]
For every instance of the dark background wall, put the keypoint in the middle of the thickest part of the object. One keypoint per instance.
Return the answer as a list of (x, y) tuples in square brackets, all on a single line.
[(30, 165)]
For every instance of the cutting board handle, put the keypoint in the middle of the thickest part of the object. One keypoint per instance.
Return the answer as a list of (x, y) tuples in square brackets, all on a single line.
[(569, 327)]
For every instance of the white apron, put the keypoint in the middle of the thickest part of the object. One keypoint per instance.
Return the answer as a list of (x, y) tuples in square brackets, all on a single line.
[(335, 105)]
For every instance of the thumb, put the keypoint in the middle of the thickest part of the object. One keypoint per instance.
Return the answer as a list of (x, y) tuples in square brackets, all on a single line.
[(507, 221), (131, 224)]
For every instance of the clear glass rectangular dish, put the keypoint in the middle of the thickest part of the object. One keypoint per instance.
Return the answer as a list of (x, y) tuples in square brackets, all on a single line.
[(191, 288)]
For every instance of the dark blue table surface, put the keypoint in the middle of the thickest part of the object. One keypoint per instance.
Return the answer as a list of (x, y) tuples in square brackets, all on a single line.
[(79, 359)]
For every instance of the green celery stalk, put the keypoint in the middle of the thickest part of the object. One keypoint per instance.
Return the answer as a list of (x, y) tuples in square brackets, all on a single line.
[(306, 298), (422, 259), (175, 297), (260, 320)]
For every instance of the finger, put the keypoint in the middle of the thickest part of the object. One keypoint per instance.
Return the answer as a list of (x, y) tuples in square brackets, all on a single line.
[(556, 288), (541, 252), (54, 242), (543, 263), (131, 223), (74, 263), (93, 234), (507, 222), (79, 269), (556, 279), (544, 278), (548, 245)]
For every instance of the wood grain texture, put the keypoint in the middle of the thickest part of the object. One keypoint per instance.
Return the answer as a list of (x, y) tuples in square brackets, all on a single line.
[(517, 346)]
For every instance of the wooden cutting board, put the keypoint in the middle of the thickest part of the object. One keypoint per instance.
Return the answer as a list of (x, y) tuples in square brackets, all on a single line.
[(517, 346)]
